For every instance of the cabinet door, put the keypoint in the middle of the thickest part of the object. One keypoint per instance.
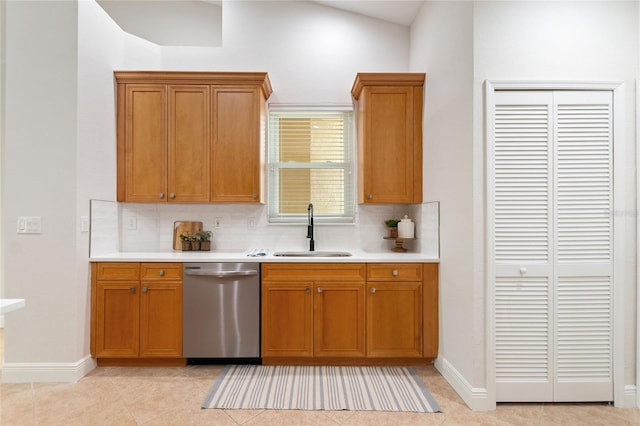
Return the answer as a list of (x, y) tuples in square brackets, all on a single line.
[(339, 319), (394, 319), (188, 144), (287, 319), (160, 319), (236, 147), (117, 314), (386, 145), (145, 141)]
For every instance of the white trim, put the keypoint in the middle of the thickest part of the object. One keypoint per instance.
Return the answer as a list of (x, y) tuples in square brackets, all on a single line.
[(620, 394), (476, 398), (28, 372), (637, 401), (630, 396)]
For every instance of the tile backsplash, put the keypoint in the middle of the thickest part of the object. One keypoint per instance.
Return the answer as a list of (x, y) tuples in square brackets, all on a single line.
[(149, 228)]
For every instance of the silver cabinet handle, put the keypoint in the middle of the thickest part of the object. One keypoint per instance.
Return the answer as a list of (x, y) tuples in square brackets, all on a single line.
[(369, 196), (394, 272), (221, 274), (307, 290), (319, 289), (145, 289), (161, 272), (161, 195), (132, 289), (172, 195), (372, 290)]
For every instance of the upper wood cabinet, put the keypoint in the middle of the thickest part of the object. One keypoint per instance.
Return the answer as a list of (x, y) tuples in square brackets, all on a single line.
[(237, 158), (389, 108), (191, 136)]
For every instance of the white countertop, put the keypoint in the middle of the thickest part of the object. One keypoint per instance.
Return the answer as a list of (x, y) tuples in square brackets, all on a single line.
[(213, 256), (8, 305)]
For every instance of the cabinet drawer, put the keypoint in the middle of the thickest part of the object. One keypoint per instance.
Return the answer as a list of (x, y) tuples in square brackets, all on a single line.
[(394, 272), (117, 271), (344, 272), (161, 271)]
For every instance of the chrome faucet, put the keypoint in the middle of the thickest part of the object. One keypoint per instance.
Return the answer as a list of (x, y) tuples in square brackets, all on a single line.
[(310, 227)]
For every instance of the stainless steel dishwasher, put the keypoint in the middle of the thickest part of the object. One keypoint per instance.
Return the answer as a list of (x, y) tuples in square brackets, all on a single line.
[(221, 312)]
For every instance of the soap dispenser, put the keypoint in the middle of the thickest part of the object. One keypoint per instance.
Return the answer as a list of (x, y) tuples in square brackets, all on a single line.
[(406, 228)]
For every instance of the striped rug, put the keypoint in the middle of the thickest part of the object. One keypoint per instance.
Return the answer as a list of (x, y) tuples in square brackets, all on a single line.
[(320, 388)]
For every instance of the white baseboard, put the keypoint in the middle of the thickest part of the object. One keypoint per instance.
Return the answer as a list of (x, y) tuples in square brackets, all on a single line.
[(630, 395), (476, 398), (27, 372)]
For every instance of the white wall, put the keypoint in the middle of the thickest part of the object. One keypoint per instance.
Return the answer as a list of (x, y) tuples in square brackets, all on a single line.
[(59, 150), (442, 46), (39, 179), (552, 41), (560, 41)]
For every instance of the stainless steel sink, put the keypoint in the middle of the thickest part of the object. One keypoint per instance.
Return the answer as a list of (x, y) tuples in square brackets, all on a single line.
[(312, 254)]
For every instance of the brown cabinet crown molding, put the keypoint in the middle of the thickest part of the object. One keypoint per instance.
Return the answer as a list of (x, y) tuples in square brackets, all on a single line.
[(385, 79), (196, 77)]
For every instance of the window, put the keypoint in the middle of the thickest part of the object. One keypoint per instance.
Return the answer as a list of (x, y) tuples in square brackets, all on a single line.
[(311, 161)]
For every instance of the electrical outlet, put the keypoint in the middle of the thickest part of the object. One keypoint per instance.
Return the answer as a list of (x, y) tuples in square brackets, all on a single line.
[(132, 223), (84, 223), (217, 222), (251, 222)]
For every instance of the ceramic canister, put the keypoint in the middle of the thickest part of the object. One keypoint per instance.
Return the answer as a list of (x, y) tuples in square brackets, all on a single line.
[(406, 228)]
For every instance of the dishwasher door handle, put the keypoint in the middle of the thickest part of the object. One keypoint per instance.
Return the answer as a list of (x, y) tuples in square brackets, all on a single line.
[(221, 274)]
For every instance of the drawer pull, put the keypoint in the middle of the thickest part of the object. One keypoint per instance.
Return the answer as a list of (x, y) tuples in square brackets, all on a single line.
[(319, 289), (161, 195), (394, 272), (145, 289), (161, 272), (372, 290), (307, 290), (132, 289)]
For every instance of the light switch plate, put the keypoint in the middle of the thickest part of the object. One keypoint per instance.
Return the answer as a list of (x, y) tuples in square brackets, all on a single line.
[(29, 225)]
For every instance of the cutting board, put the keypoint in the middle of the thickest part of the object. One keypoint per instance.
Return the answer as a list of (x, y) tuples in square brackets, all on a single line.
[(184, 227)]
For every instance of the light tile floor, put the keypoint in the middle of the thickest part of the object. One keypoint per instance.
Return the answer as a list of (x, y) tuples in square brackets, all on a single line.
[(172, 396)]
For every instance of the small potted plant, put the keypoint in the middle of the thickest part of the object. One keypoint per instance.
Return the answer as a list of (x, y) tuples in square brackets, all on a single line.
[(392, 224), (195, 242), (186, 241), (205, 240)]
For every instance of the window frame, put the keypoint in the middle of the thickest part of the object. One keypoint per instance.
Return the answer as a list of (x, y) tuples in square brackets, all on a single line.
[(348, 166)]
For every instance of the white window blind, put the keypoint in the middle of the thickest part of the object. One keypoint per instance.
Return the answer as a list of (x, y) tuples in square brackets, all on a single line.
[(311, 161)]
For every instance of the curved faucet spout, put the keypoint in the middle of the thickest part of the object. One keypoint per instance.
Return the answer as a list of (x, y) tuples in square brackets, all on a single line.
[(310, 227)]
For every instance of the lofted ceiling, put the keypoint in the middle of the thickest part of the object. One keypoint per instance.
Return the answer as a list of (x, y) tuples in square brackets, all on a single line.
[(400, 12)]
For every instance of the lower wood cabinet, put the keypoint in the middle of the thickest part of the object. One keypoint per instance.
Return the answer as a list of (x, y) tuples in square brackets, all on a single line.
[(376, 312), (136, 311), (313, 310), (394, 310)]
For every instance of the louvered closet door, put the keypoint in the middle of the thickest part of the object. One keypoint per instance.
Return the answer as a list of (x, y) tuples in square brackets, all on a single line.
[(552, 245)]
